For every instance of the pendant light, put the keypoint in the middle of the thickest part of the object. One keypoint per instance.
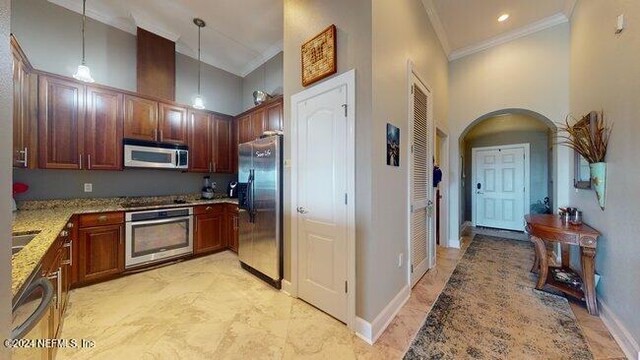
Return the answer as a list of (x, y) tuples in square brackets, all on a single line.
[(198, 102), (83, 73)]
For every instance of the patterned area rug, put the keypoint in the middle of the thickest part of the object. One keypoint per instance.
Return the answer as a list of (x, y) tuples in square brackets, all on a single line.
[(490, 309)]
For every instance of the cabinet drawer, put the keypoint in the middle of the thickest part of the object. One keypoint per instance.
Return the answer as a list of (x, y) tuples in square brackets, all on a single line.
[(88, 220), (208, 209)]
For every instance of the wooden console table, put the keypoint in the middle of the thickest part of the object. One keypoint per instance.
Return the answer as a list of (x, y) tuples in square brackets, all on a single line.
[(543, 228)]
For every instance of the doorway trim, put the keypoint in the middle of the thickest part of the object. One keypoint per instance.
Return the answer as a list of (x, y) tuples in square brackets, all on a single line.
[(349, 79), (444, 189), (527, 175), (412, 73)]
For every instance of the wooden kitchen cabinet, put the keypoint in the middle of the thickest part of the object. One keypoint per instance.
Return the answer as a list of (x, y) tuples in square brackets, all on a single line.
[(223, 149), (100, 252), (200, 147), (273, 118), (103, 129), (60, 120), (172, 124), (209, 234), (140, 118), (257, 123), (25, 119), (231, 226), (244, 129)]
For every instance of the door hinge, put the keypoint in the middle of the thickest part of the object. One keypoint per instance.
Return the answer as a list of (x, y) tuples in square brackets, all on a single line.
[(412, 87), (412, 268), (344, 106), (346, 287), (412, 148), (346, 199)]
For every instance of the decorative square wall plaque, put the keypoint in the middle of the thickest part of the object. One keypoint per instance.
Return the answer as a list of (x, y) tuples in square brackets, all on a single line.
[(319, 58)]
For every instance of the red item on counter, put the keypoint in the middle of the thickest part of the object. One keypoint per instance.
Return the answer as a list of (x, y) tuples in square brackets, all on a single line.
[(19, 188)]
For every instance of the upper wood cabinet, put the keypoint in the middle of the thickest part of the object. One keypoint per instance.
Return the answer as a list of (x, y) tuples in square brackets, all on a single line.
[(244, 129), (257, 123), (60, 119), (140, 118), (200, 134), (223, 149), (172, 123), (25, 104), (273, 118), (103, 129)]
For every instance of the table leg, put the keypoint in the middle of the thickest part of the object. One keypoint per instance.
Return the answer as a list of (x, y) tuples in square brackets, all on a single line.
[(587, 258), (536, 263), (565, 254), (541, 254)]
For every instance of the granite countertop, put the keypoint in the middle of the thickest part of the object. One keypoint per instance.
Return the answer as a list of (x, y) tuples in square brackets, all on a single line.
[(48, 218)]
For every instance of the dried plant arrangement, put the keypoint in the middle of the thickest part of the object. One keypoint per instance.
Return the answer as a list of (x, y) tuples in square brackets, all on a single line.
[(589, 136)]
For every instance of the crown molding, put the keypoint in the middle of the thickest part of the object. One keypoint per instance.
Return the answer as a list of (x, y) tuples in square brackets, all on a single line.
[(119, 23), (153, 27), (437, 25), (569, 6), (532, 28), (263, 58)]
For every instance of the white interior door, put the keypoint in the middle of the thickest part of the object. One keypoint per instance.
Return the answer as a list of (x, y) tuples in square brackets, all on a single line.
[(499, 187), (420, 180), (322, 222)]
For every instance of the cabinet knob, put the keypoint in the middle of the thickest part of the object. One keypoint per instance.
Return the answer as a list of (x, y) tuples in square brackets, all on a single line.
[(64, 233), (70, 225)]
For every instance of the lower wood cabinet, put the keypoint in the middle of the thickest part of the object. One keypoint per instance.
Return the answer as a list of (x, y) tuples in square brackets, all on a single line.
[(209, 235), (100, 252), (231, 226)]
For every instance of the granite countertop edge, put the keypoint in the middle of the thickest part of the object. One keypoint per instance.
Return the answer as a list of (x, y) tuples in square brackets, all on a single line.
[(49, 222)]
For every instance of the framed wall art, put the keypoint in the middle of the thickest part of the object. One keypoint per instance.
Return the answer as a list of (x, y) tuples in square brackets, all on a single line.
[(319, 58), (393, 145)]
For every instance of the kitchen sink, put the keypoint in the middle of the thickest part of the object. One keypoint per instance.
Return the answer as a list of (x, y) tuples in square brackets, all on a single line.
[(18, 242)]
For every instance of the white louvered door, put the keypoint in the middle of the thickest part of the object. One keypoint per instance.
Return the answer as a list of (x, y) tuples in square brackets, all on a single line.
[(420, 181)]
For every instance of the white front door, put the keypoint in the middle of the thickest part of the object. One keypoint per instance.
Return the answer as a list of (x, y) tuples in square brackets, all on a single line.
[(421, 132), (499, 186), (321, 193)]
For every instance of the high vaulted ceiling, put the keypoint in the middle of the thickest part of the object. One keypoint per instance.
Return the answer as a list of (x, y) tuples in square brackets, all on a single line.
[(238, 38), (468, 26)]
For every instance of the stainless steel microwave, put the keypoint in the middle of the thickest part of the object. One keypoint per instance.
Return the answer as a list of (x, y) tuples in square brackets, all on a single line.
[(149, 154)]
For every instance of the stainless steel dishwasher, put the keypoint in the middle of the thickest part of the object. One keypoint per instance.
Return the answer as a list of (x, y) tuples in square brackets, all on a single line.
[(31, 314)]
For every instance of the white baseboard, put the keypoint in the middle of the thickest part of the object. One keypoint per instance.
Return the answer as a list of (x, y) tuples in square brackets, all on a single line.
[(287, 288), (627, 343), (454, 243), (370, 332)]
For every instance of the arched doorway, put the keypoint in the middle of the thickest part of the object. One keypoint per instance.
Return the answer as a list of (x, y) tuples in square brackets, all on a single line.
[(499, 135)]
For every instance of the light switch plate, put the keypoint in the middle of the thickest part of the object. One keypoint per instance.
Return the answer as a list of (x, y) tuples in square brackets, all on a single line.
[(88, 187)]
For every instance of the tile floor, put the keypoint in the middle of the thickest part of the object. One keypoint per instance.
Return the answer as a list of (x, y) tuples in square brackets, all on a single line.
[(209, 308)]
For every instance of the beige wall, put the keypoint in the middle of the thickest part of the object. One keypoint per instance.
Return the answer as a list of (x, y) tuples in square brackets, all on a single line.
[(394, 43), (530, 73), (605, 74), (372, 41), (303, 19), (6, 95)]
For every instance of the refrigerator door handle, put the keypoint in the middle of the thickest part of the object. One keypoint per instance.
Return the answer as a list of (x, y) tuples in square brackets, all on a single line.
[(250, 194)]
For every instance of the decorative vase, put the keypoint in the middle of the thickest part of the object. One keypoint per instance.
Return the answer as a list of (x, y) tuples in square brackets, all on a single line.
[(598, 176)]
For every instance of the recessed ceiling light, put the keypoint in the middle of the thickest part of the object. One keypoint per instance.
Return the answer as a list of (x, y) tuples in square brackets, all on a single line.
[(503, 17)]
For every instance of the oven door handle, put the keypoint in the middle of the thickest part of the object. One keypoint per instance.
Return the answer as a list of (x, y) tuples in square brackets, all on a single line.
[(162, 221)]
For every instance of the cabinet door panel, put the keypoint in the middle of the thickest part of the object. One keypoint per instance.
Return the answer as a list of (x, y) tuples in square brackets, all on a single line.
[(104, 129), (173, 124), (140, 118), (101, 252), (60, 122), (222, 145), (257, 124), (274, 116), (244, 129), (200, 141), (208, 234)]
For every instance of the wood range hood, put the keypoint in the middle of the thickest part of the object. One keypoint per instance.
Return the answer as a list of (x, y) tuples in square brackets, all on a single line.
[(156, 65)]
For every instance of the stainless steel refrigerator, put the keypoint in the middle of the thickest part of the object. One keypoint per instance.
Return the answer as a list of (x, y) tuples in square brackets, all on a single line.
[(260, 203)]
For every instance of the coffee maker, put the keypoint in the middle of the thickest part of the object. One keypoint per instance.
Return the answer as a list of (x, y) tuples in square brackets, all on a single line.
[(207, 188)]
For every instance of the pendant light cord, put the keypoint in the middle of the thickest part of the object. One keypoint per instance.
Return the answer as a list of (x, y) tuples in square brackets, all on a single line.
[(199, 62), (84, 20)]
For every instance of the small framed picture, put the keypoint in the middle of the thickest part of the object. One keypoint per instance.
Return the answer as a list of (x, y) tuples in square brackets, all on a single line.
[(393, 145)]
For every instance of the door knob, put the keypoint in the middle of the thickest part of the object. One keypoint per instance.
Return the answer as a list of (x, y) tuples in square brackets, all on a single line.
[(302, 210)]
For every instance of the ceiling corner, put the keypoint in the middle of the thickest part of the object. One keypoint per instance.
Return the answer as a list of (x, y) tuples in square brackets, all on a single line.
[(437, 25), (569, 6), (263, 58)]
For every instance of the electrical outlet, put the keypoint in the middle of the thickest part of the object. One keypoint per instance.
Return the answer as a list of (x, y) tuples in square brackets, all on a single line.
[(88, 187), (400, 260), (287, 163)]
